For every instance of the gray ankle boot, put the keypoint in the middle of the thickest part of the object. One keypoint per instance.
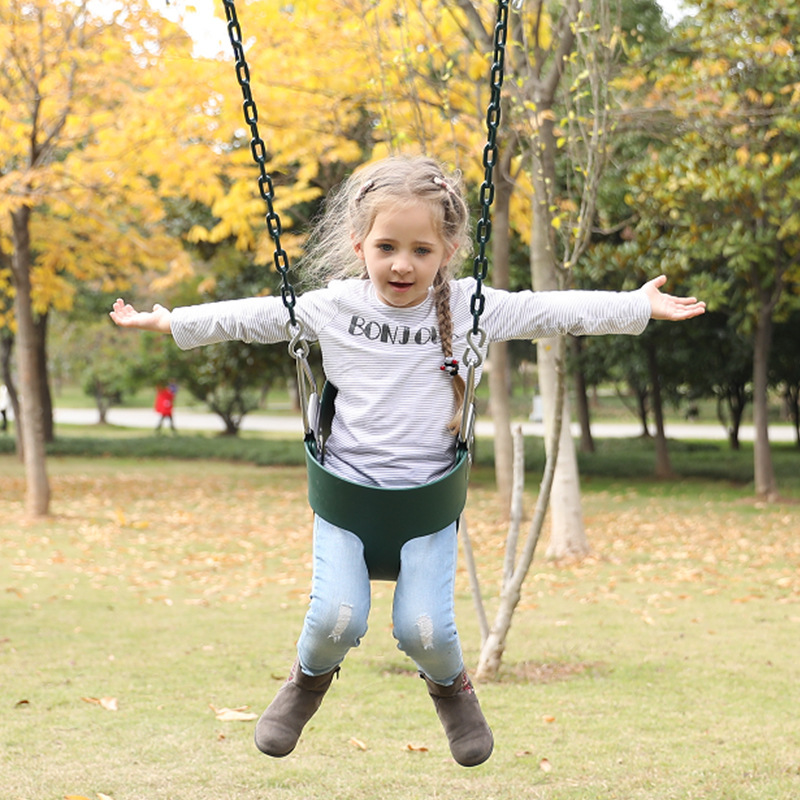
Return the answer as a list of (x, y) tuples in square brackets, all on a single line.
[(468, 733), (279, 727)]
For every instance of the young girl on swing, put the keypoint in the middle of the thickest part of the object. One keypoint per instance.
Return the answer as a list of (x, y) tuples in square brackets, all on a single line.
[(388, 323)]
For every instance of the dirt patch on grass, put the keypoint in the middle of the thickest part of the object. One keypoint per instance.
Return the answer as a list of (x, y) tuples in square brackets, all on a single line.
[(553, 671)]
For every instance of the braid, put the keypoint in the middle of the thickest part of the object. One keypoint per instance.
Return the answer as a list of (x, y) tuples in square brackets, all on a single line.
[(441, 288)]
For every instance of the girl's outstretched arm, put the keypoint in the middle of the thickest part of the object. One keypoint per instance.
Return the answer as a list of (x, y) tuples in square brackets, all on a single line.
[(667, 306), (126, 316)]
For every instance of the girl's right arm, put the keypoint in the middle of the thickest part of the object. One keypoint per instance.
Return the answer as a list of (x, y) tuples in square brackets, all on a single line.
[(259, 319), (126, 316)]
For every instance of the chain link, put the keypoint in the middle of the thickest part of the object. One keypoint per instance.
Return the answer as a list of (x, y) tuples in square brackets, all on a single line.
[(259, 152), (490, 155)]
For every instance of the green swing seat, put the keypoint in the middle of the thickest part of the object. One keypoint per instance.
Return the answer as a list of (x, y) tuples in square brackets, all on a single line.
[(383, 518)]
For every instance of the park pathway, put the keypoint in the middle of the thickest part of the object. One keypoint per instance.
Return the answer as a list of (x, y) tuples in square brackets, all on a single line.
[(191, 420)]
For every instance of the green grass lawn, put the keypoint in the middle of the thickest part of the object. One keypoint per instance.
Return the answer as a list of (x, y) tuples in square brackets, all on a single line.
[(614, 458), (663, 667)]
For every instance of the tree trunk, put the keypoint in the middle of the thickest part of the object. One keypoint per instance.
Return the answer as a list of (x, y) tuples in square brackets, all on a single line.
[(728, 420), (472, 571), (46, 401), (101, 401), (231, 425), (37, 497), (791, 397), (581, 398), (641, 406), (6, 349), (737, 403), (500, 409), (663, 464), (515, 569), (764, 473), (499, 374), (567, 532)]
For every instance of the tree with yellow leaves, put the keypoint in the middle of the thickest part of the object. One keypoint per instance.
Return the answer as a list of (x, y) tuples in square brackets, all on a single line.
[(102, 113)]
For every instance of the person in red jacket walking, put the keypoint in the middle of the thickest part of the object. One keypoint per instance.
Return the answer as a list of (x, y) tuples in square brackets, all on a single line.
[(165, 400)]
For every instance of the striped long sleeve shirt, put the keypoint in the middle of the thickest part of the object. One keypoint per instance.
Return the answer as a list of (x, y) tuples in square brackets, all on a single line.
[(394, 402)]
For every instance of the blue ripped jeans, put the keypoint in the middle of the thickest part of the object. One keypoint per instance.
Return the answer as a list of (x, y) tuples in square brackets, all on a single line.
[(423, 612)]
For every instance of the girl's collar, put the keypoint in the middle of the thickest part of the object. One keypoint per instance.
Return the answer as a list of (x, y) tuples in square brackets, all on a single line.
[(373, 296)]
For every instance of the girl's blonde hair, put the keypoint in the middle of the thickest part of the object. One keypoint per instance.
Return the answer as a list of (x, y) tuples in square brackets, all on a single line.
[(350, 212)]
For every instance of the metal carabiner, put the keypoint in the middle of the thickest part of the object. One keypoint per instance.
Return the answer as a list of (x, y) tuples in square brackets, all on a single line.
[(473, 358), (475, 347), (306, 383)]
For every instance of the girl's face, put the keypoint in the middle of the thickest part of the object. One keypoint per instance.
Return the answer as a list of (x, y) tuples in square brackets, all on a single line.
[(402, 253)]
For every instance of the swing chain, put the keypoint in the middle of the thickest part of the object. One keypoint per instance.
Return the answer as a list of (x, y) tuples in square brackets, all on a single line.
[(259, 152), (476, 337), (490, 157), (298, 346)]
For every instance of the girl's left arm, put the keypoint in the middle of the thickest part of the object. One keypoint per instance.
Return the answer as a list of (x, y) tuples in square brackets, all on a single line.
[(537, 315)]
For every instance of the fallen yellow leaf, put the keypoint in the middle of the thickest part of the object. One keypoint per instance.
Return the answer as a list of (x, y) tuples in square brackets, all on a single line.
[(108, 703), (357, 743), (240, 714), (417, 748)]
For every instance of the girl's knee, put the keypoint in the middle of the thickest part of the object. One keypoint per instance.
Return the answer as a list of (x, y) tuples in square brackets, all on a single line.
[(424, 633), (336, 622), (328, 637)]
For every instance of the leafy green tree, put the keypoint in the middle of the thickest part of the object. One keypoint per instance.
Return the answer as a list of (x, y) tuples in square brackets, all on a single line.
[(651, 364), (727, 187), (90, 351), (231, 378), (106, 376), (725, 372)]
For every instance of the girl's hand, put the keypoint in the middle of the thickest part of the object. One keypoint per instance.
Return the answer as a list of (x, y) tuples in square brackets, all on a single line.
[(126, 316), (667, 306)]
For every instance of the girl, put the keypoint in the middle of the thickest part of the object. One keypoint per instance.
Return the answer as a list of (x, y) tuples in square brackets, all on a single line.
[(388, 322)]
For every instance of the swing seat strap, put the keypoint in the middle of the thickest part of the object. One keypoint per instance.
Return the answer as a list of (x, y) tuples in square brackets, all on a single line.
[(384, 518)]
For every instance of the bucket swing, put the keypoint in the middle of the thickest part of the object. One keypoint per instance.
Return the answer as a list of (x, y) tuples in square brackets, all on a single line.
[(383, 518)]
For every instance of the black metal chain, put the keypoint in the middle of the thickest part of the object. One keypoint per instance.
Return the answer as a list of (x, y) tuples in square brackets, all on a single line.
[(490, 156), (259, 152)]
